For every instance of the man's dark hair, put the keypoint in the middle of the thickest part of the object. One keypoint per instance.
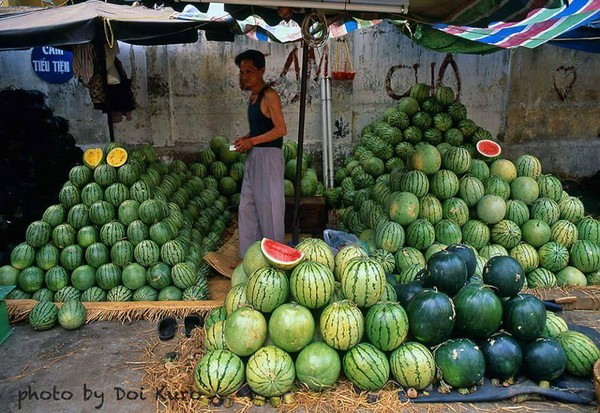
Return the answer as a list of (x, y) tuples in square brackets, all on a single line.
[(256, 57)]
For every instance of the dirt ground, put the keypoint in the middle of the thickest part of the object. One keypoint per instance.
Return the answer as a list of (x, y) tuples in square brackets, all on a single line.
[(99, 368)]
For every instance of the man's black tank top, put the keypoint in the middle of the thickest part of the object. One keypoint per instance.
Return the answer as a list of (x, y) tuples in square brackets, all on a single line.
[(260, 124)]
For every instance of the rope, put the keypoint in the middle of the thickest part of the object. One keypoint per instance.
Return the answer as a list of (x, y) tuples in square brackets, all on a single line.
[(315, 29), (110, 41)]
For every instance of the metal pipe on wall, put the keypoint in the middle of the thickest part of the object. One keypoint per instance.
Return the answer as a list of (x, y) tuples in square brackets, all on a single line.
[(325, 122), (331, 170)]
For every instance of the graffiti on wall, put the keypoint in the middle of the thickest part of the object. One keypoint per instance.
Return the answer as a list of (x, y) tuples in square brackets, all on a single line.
[(398, 91), (563, 80)]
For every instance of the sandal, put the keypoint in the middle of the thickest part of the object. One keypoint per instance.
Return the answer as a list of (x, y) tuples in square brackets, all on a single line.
[(166, 328), (192, 321)]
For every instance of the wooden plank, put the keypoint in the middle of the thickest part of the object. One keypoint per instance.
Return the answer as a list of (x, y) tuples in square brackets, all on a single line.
[(587, 298)]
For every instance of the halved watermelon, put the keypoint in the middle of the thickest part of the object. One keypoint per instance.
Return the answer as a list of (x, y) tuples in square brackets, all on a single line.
[(488, 148), (280, 255), (116, 157), (93, 157)]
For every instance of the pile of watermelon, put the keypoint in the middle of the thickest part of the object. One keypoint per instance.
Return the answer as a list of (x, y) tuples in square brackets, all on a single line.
[(128, 227), (423, 178), (305, 317)]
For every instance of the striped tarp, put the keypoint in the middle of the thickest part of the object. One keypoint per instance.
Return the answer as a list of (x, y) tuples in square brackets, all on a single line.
[(536, 27)]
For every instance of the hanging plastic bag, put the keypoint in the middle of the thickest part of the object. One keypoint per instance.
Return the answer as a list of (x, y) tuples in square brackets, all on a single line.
[(339, 239)]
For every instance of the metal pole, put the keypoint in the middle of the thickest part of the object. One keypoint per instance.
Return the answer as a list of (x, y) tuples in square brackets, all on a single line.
[(325, 131), (331, 170), (301, 117)]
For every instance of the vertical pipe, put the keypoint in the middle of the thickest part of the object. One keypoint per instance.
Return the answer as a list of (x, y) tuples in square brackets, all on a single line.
[(331, 171), (325, 130), (301, 118)]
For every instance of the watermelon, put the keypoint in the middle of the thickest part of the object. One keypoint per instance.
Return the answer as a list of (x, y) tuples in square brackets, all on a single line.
[(267, 289), (31, 279), (503, 356), (215, 315), (554, 326), (491, 209), (413, 366), (291, 327), (43, 294), (22, 256), (544, 359), (478, 311), (312, 284), (318, 366), (219, 372), (280, 255), (431, 315), (488, 148), (467, 254), (341, 316), (235, 298), (585, 256), (245, 331), (460, 362), (215, 337), (386, 325), (446, 271), (95, 294), (525, 317), (366, 367), (363, 281), (505, 274), (570, 276), (254, 259), (43, 316), (317, 250), (71, 314), (581, 352), (8, 275), (270, 371)]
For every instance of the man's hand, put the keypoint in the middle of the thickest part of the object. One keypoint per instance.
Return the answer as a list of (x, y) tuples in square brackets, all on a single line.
[(243, 144)]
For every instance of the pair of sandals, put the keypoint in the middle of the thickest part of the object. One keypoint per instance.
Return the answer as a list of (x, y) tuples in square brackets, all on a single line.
[(168, 326)]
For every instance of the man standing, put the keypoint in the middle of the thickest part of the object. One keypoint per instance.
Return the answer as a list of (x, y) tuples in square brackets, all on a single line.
[(262, 201)]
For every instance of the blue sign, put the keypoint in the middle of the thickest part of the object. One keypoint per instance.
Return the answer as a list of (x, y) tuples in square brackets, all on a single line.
[(51, 64)]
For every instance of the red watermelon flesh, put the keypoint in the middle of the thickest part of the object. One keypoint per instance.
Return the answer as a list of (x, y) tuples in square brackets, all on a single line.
[(280, 255), (488, 148)]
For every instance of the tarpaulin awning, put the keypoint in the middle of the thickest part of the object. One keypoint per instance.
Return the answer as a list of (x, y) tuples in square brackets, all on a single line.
[(585, 38), (81, 23), (258, 28), (536, 28)]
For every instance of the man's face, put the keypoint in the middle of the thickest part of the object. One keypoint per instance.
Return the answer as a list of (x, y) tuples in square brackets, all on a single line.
[(249, 74)]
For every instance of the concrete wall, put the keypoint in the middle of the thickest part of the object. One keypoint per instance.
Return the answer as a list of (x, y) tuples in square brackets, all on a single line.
[(186, 94)]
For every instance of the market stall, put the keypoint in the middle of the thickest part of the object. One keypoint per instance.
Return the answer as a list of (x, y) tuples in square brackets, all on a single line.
[(435, 291)]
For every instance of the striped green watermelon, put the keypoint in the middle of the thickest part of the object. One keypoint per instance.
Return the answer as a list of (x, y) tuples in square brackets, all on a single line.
[(363, 281), (390, 236), (415, 182), (412, 366), (541, 278), (184, 275), (54, 215), (386, 325), (69, 196), (476, 233), (581, 352), (43, 294), (159, 276), (528, 165), (47, 257), (104, 175), (63, 235), (553, 256), (56, 278), (554, 326), (86, 236), (101, 212), (341, 316), (344, 255), (312, 284), (420, 234), (145, 293), (137, 232), (506, 233), (317, 250), (366, 367), (219, 372), (526, 255), (448, 232), (267, 288), (215, 337), (71, 257), (564, 232), (430, 209), (585, 256), (235, 298), (270, 372), (92, 193), (93, 294), (112, 232), (116, 194), (571, 209), (444, 184), (120, 293), (71, 315), (550, 187), (38, 234), (141, 191), (108, 276), (43, 316), (147, 253), (455, 209)]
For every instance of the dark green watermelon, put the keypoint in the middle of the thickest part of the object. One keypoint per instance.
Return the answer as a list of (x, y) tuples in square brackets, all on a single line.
[(505, 274), (467, 254), (525, 317), (478, 311), (544, 359), (447, 272), (503, 356), (431, 317)]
